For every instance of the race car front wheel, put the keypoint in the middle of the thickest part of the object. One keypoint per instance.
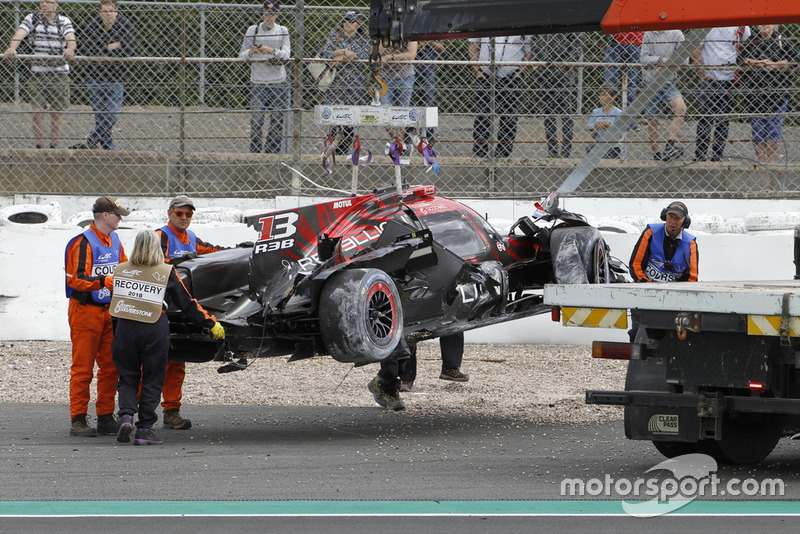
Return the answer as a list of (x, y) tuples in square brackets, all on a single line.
[(360, 316)]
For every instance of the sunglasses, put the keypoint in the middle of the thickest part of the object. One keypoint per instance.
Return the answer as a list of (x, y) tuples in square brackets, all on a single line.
[(187, 214)]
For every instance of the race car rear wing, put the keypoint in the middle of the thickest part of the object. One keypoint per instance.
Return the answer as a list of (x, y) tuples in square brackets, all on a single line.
[(415, 20)]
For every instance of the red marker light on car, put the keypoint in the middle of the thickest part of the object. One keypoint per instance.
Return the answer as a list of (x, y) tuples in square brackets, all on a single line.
[(555, 314), (755, 385), (422, 191)]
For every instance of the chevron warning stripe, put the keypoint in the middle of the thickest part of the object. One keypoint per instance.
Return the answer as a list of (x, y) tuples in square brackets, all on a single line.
[(770, 325), (595, 317)]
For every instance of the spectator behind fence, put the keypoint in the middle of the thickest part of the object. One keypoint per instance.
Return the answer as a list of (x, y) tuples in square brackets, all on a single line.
[(269, 90), (51, 34), (556, 85), (507, 81), (425, 79), (345, 45), (399, 78), (623, 47), (767, 82), (110, 34), (715, 89), (657, 48), (601, 120)]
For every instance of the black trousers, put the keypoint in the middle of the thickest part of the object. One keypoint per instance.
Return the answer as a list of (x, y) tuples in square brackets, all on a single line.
[(452, 348), (140, 353), (558, 104), (508, 93), (715, 103)]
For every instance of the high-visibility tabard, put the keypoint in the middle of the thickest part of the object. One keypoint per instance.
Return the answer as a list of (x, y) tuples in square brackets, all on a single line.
[(139, 292), (595, 317)]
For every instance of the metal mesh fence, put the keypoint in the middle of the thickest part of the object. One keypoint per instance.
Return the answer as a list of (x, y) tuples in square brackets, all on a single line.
[(186, 119)]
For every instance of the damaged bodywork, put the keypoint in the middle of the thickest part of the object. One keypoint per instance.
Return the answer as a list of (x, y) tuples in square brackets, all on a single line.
[(364, 278)]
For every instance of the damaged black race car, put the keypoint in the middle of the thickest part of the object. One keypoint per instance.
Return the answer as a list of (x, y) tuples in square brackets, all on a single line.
[(365, 277)]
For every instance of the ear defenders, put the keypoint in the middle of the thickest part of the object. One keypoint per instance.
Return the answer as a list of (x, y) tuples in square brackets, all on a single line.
[(686, 220)]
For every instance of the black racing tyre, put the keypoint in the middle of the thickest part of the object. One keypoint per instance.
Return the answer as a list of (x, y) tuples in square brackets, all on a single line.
[(747, 437), (360, 315), (598, 270)]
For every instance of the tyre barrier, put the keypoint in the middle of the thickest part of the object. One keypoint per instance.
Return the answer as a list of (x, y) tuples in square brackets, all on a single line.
[(31, 214), (157, 217), (503, 226), (82, 219), (137, 220), (760, 222), (621, 224), (615, 226), (223, 215), (716, 224)]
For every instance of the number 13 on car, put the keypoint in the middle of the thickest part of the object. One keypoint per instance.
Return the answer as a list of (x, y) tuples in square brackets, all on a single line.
[(277, 232)]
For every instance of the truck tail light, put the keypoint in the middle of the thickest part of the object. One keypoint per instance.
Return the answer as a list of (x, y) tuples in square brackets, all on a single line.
[(616, 351), (555, 314)]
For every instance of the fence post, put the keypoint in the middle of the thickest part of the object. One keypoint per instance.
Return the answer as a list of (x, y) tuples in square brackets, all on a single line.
[(492, 112), (17, 20), (580, 95), (296, 116), (202, 71), (182, 114)]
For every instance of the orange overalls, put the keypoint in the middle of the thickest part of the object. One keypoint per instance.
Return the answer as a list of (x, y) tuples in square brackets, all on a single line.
[(90, 327), (176, 371)]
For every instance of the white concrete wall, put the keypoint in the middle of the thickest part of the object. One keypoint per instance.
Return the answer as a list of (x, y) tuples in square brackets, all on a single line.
[(32, 303)]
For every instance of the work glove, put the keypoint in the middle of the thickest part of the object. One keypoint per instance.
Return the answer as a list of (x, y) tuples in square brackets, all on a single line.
[(245, 244), (217, 331), (189, 255)]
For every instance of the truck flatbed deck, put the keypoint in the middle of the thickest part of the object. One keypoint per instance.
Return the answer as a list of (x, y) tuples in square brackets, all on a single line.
[(773, 297)]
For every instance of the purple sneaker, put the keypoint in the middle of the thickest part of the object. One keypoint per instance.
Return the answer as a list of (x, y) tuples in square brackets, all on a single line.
[(125, 428), (146, 436)]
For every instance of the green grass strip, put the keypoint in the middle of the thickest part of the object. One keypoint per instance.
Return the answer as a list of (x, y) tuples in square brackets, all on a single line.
[(373, 508)]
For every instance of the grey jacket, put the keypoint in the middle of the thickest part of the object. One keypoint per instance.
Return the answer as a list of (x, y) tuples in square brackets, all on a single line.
[(276, 37), (657, 45)]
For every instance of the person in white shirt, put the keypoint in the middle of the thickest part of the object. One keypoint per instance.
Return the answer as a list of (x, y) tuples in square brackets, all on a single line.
[(269, 90), (51, 34), (657, 48), (508, 87), (716, 98)]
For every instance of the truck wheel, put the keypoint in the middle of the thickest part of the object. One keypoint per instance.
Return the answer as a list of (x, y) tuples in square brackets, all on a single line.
[(360, 316), (747, 437)]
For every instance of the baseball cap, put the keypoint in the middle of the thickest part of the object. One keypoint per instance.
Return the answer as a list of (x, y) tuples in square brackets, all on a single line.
[(679, 209), (106, 204), (181, 201), (272, 7), (352, 15)]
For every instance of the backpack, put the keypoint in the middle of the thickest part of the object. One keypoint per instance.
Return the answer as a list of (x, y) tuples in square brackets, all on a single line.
[(26, 45)]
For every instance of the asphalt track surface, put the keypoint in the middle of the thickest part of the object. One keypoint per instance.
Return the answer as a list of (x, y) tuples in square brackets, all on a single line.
[(302, 469)]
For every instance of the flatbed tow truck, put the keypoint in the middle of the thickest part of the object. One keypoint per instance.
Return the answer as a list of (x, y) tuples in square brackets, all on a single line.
[(714, 367)]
